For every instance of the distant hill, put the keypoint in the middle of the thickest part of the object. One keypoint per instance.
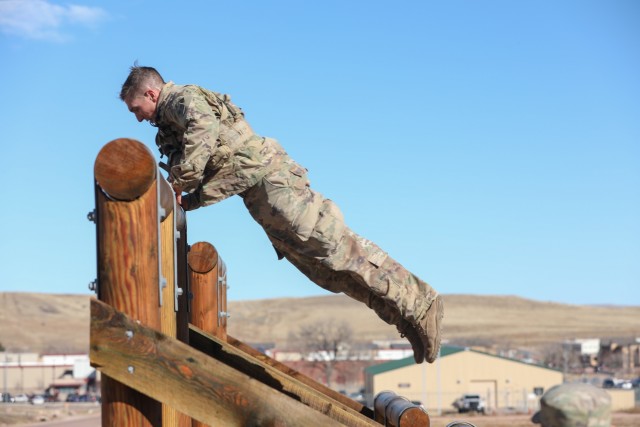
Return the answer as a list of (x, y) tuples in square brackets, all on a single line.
[(54, 323)]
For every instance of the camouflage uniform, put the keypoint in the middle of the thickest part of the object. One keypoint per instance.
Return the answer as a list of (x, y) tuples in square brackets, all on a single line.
[(574, 405), (213, 154)]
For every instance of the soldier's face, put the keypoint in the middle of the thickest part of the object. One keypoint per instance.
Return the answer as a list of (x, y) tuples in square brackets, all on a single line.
[(143, 106)]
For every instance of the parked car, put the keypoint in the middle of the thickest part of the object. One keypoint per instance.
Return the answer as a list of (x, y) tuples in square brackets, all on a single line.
[(73, 397), (21, 398), (6, 398), (608, 383), (469, 403), (37, 400), (617, 383)]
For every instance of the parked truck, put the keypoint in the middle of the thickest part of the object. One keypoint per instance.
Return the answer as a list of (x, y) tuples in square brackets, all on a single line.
[(469, 403)]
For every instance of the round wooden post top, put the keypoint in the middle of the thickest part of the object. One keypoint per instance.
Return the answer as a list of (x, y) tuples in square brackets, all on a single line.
[(125, 169), (203, 257)]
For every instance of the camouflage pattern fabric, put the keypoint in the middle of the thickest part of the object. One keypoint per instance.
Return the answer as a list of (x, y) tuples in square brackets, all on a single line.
[(212, 151), (574, 405), (213, 154), (309, 231)]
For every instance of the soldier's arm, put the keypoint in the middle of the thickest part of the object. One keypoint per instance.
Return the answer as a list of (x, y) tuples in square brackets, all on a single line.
[(201, 128)]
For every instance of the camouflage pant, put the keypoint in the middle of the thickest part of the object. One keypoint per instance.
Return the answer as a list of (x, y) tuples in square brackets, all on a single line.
[(310, 232)]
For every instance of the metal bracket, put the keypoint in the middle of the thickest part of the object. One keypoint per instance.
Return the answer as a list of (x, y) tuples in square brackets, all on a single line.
[(162, 281), (220, 285), (177, 291), (93, 286)]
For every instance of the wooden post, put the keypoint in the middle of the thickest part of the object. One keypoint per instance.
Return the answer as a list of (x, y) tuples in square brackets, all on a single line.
[(128, 267), (204, 280), (208, 285), (171, 417)]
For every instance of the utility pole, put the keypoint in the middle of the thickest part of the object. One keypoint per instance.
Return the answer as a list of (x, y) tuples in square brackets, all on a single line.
[(4, 377)]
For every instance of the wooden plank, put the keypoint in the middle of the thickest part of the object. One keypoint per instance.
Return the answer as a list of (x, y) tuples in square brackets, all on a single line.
[(176, 374), (350, 403), (275, 378)]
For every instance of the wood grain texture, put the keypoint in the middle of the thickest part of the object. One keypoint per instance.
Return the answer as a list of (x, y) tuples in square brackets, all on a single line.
[(209, 292), (125, 169), (394, 410), (204, 285), (276, 379), (176, 374), (350, 403), (128, 280), (168, 325), (203, 257)]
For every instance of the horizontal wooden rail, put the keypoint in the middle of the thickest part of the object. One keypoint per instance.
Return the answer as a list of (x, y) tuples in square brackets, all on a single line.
[(275, 378), (175, 374), (350, 403)]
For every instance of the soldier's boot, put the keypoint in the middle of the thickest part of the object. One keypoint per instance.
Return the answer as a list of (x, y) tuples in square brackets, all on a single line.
[(392, 316), (407, 331), (406, 301), (429, 328)]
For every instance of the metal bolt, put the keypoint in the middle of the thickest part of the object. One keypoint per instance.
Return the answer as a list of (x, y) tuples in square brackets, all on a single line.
[(93, 285), (131, 369), (179, 291), (224, 314), (129, 334), (91, 216)]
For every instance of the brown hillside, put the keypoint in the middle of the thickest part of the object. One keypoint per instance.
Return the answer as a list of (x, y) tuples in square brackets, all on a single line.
[(59, 323)]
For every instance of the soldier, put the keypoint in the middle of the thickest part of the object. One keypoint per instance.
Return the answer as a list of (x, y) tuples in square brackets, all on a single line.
[(213, 154), (574, 405)]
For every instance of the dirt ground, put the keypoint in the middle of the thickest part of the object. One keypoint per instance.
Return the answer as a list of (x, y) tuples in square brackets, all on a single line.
[(619, 419), (15, 416)]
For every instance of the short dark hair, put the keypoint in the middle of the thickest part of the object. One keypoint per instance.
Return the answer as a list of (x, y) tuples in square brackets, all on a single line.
[(140, 78)]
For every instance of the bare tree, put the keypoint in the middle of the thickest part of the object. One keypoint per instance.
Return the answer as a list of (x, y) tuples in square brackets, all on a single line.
[(323, 343)]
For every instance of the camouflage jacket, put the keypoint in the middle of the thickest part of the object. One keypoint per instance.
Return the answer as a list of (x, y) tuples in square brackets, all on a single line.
[(212, 151)]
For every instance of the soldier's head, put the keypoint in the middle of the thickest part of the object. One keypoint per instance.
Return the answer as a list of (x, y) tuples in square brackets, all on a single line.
[(574, 405), (141, 90)]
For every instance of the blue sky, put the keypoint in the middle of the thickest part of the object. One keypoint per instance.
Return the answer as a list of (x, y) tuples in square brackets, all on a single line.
[(492, 147)]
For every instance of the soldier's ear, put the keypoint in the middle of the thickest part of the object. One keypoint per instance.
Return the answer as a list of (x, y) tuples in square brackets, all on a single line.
[(152, 95)]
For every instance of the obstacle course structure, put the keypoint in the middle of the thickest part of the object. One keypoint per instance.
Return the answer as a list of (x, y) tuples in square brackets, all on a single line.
[(158, 325)]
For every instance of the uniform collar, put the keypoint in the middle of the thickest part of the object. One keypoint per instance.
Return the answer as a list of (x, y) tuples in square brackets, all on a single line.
[(162, 97)]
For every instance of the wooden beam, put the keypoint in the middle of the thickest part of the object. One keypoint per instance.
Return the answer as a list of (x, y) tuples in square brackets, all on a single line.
[(275, 378), (350, 403), (176, 374)]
